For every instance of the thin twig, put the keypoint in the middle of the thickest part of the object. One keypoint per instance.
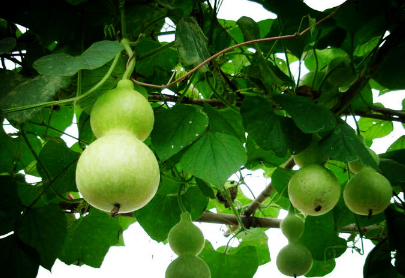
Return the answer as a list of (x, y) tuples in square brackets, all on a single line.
[(285, 37)]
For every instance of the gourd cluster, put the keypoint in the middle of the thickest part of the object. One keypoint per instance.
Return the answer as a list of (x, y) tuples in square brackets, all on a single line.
[(118, 172), (294, 259), (187, 241), (313, 189), (367, 192)]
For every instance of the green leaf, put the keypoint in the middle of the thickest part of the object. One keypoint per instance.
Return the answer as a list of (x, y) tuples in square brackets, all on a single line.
[(214, 157), (17, 259), (61, 64), (373, 128), (249, 28), (44, 228), (342, 144), (7, 44), (177, 128), (306, 114), (163, 212), (280, 179), (269, 130), (398, 144), (321, 238), (205, 188), (89, 238), (257, 238), (229, 265), (312, 24), (191, 43), (60, 166), (34, 91), (257, 157), (219, 122)]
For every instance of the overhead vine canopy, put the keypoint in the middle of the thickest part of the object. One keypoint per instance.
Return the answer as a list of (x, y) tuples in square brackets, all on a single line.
[(225, 100)]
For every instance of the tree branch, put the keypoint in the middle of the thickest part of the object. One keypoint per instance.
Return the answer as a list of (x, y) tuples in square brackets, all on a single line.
[(385, 114)]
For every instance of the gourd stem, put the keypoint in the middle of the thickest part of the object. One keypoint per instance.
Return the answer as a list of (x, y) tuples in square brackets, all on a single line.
[(131, 61), (179, 198)]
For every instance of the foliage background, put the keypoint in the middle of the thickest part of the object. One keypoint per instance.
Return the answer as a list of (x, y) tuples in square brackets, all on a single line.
[(37, 156)]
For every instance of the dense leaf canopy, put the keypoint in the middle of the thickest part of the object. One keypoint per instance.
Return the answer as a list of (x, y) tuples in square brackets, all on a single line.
[(225, 100)]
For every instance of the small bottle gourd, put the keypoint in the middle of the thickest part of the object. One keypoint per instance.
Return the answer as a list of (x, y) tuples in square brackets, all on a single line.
[(187, 241), (294, 259)]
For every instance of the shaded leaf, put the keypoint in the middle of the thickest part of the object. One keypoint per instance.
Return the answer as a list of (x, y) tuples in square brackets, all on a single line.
[(214, 157), (321, 238), (249, 28), (61, 64), (7, 44), (60, 166), (269, 130), (34, 91), (17, 259), (321, 268), (378, 262), (191, 43), (10, 205), (342, 144), (163, 212), (50, 122), (89, 239), (306, 114), (219, 123), (177, 128), (229, 265), (44, 228), (257, 238), (8, 152)]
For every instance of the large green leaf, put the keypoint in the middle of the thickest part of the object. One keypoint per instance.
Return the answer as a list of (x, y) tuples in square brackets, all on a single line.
[(306, 114), (177, 128), (163, 212), (214, 157), (18, 259), (59, 164), (191, 43), (62, 64), (44, 228), (321, 238), (269, 130), (34, 91), (342, 144), (89, 238), (229, 265)]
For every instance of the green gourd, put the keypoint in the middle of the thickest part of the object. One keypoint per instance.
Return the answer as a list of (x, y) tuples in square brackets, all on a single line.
[(292, 226), (185, 238), (188, 266)]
